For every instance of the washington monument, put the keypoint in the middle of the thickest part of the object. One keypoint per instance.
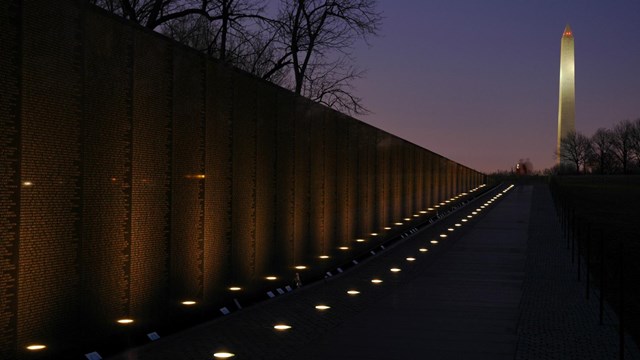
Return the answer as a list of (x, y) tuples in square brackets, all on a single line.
[(567, 101)]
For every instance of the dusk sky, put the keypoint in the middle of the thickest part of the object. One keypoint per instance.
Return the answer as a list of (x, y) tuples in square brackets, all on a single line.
[(477, 80)]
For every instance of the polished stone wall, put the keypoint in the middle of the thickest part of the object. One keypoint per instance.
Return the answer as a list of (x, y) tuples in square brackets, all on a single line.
[(136, 173)]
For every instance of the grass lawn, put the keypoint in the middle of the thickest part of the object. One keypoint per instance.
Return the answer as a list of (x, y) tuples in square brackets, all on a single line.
[(610, 206)]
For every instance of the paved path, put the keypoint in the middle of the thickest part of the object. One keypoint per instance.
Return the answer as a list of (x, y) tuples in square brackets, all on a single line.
[(498, 287)]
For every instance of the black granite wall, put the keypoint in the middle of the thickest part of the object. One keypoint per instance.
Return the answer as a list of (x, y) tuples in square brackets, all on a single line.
[(136, 174)]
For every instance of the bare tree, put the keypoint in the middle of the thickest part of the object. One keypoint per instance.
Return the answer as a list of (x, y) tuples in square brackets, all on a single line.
[(602, 144), (622, 143), (306, 47), (317, 36), (226, 32), (575, 148), (153, 13), (635, 140)]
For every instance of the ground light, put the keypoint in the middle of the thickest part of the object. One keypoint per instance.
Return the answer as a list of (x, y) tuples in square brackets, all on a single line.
[(374, 234), (282, 327), (360, 240), (423, 212), (387, 227), (398, 223), (323, 307), (301, 267), (450, 229), (434, 241), (188, 302), (443, 235), (395, 270), (423, 249), (323, 256), (223, 355), (271, 278), (407, 219), (36, 347), (411, 259), (458, 225), (235, 288), (353, 292), (343, 248), (124, 321), (376, 281)]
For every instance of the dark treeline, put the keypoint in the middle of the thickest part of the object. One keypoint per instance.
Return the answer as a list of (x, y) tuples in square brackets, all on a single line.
[(607, 151), (302, 45)]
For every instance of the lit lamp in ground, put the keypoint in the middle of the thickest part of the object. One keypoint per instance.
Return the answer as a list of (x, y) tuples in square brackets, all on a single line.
[(398, 223), (323, 256), (443, 235), (36, 347), (374, 234), (223, 355), (353, 292), (360, 240), (343, 248), (125, 321), (300, 267), (387, 227), (395, 270), (235, 288), (271, 278), (434, 241), (188, 303), (376, 281), (411, 259), (323, 307), (407, 219), (282, 327), (423, 249)]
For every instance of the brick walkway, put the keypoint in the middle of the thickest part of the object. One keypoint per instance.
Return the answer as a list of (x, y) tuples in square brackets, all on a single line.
[(498, 287)]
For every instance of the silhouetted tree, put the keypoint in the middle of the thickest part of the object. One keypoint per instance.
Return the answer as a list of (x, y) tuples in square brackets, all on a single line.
[(575, 148), (305, 48), (227, 32), (316, 36), (153, 13), (635, 140), (622, 143), (602, 145)]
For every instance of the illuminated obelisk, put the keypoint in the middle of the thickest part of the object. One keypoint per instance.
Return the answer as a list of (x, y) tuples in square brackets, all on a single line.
[(567, 101)]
